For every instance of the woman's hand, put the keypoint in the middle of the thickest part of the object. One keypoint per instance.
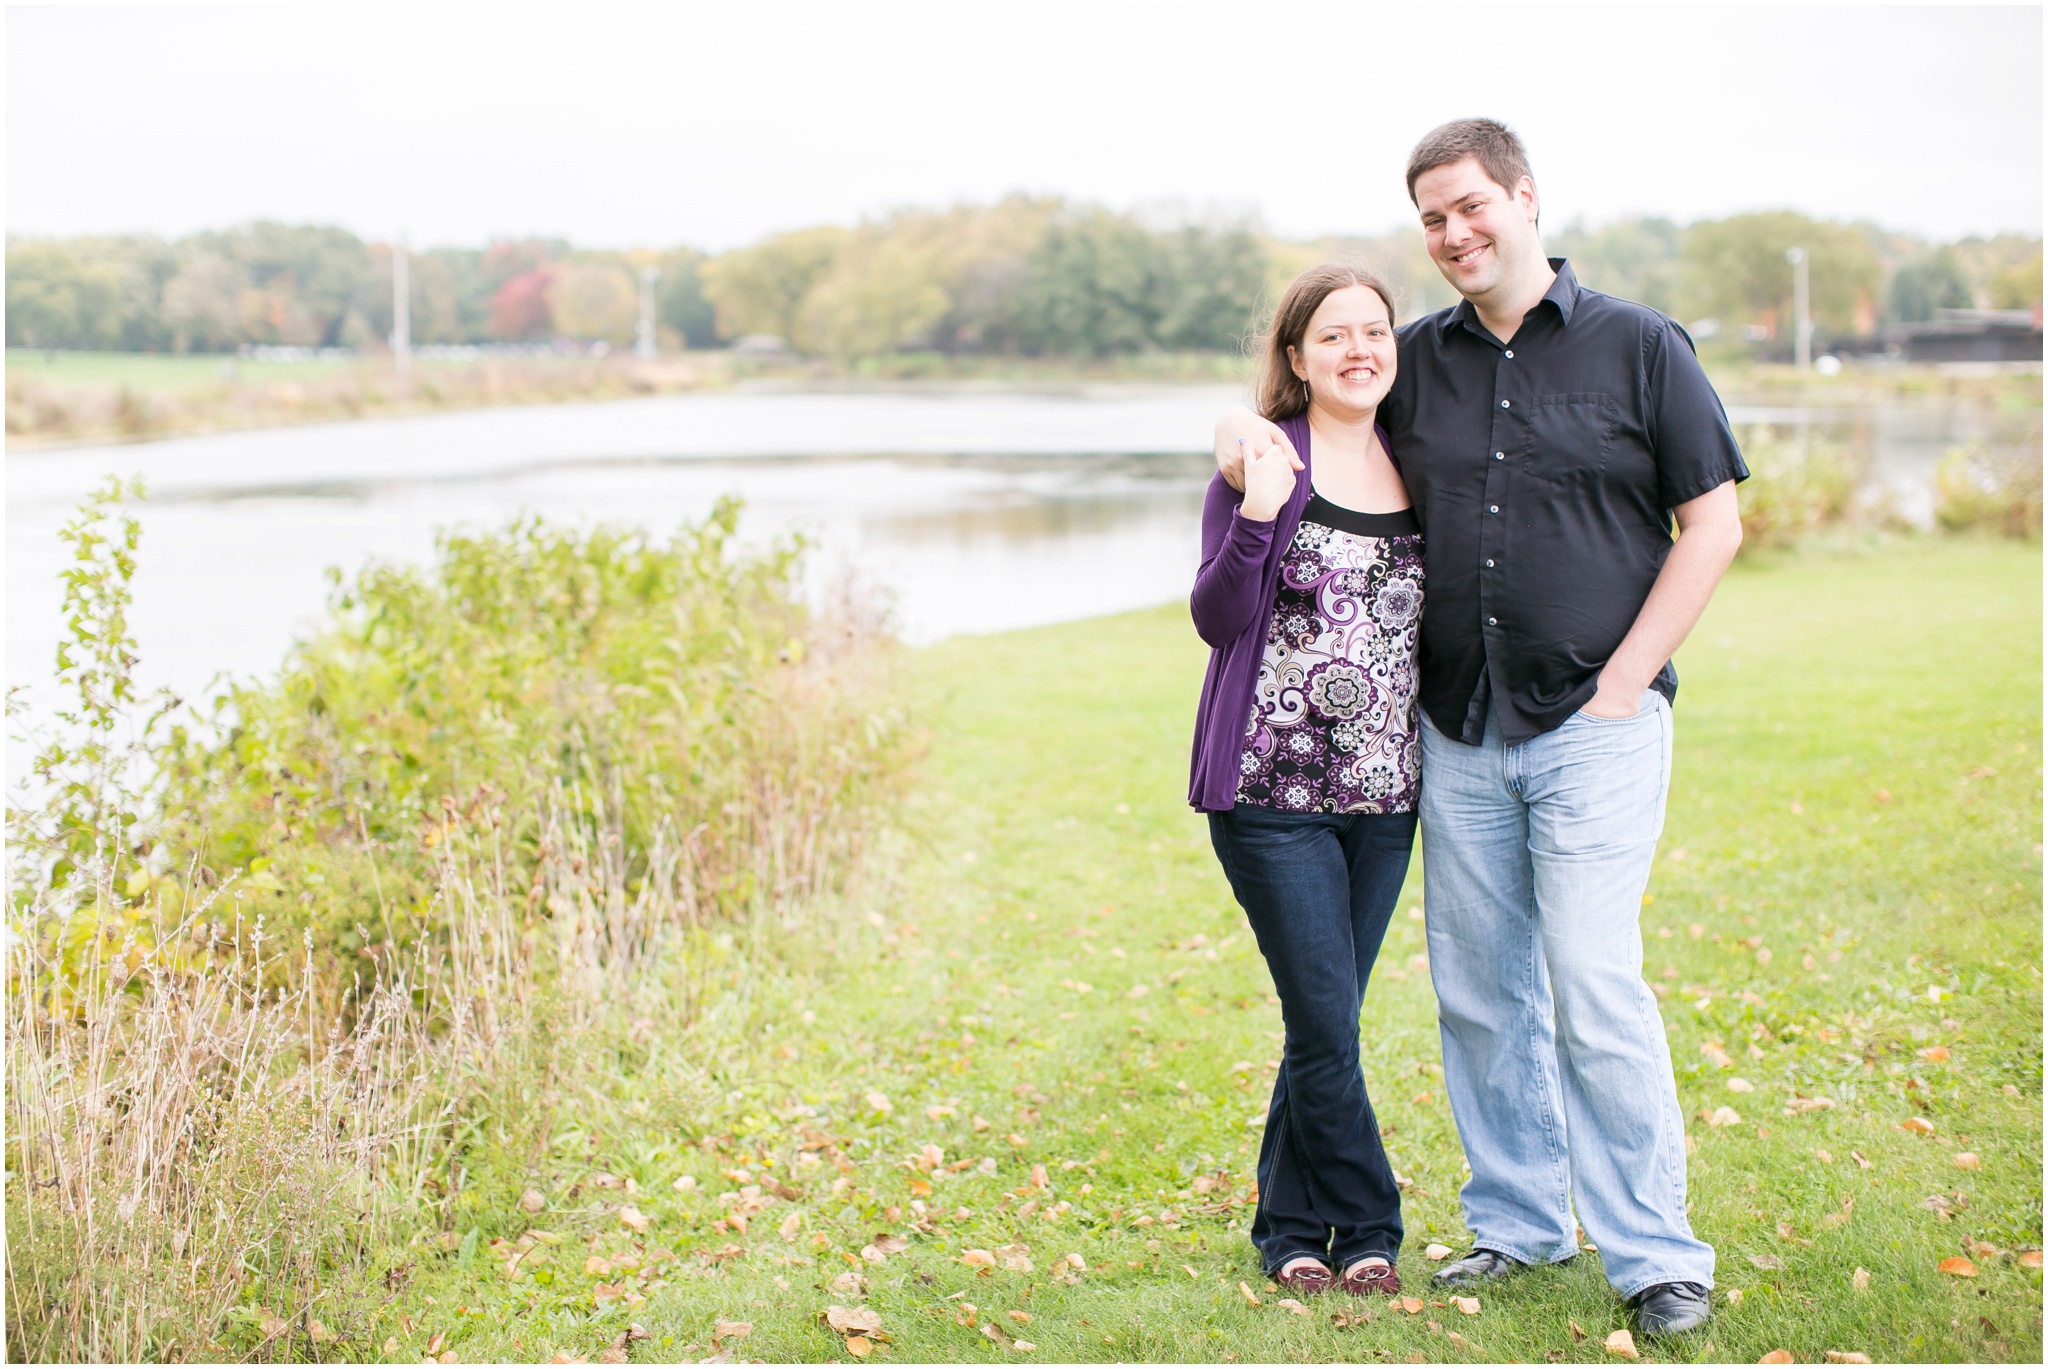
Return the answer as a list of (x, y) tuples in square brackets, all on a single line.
[(1240, 433), (1268, 477)]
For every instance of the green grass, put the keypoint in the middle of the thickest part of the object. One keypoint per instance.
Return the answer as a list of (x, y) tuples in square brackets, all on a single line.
[(1857, 792), (158, 372)]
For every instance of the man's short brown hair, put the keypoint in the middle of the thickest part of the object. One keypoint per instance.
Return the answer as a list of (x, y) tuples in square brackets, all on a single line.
[(1487, 141)]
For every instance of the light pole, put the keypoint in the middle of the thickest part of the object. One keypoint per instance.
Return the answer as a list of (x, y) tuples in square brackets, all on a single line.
[(1802, 309), (401, 314), (648, 275)]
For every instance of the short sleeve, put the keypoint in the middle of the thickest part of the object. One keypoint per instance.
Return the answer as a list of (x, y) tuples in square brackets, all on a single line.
[(1689, 433)]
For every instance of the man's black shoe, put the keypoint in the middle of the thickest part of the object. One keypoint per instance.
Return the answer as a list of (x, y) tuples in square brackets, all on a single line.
[(1665, 1309), (1481, 1266)]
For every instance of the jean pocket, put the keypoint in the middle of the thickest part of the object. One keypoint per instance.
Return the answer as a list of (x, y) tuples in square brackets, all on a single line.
[(1646, 709)]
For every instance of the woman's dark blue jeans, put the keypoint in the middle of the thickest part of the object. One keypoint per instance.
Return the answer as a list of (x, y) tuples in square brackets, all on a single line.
[(1318, 889)]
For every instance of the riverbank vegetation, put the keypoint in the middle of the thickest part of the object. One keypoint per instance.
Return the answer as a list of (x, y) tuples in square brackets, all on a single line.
[(267, 961), (558, 959)]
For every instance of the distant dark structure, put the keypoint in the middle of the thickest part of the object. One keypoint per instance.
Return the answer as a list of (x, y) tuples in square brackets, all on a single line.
[(1973, 335)]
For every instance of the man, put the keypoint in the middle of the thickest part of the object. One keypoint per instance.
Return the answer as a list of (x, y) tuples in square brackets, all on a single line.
[(1549, 435)]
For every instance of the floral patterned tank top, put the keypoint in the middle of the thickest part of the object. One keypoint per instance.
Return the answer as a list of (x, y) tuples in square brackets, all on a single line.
[(1332, 728)]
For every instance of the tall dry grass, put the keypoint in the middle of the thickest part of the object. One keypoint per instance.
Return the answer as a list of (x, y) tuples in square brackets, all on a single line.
[(222, 1122)]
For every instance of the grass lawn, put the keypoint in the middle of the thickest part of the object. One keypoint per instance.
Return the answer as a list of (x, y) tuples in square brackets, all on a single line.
[(159, 372), (1042, 1029)]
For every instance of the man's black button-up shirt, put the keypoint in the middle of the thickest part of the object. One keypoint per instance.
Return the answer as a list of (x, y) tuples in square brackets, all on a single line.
[(1544, 471)]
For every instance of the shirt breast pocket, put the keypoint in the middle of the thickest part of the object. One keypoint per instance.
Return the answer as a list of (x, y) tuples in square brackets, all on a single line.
[(1571, 437)]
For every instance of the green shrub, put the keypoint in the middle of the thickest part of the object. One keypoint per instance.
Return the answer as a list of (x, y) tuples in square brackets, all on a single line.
[(1795, 488), (1979, 490), (670, 702)]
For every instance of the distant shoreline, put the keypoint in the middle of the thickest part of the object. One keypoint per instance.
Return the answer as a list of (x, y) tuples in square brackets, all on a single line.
[(110, 399)]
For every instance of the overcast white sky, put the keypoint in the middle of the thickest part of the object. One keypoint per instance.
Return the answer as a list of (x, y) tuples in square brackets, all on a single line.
[(714, 125)]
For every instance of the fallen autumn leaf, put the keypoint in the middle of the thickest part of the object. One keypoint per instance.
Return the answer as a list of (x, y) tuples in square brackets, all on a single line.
[(1622, 1344)]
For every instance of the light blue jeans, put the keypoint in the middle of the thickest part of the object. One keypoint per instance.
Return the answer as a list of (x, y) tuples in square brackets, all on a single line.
[(1534, 860)]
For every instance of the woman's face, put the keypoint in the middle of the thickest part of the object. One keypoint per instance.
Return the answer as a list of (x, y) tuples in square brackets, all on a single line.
[(1347, 353)]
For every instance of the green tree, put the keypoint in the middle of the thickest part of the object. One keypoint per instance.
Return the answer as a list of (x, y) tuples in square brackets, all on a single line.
[(203, 303), (1091, 288), (1931, 281), (989, 253), (884, 293), (60, 296), (1633, 259), (2018, 286), (1736, 271), (681, 303), (1207, 287), (761, 289), (596, 300), (304, 279)]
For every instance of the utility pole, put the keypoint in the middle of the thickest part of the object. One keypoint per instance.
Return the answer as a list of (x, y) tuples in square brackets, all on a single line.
[(1802, 309), (648, 275), (401, 315)]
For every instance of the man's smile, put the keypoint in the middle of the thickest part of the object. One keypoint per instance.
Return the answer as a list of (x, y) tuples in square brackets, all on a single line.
[(1467, 256)]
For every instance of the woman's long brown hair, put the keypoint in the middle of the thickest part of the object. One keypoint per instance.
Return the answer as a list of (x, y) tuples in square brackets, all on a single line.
[(1281, 393)]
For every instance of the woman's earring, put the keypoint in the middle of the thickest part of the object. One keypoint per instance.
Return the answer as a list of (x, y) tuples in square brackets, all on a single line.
[(1304, 392)]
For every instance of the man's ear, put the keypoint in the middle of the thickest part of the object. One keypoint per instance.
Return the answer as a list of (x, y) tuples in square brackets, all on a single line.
[(1525, 191)]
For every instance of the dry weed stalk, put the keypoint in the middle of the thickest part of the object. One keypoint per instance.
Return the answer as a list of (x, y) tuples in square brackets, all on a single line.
[(189, 1117)]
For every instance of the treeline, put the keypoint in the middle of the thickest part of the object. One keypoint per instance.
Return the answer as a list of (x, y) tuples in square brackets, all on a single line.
[(1031, 277)]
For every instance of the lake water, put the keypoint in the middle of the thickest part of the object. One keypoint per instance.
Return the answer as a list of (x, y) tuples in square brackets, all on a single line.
[(972, 511)]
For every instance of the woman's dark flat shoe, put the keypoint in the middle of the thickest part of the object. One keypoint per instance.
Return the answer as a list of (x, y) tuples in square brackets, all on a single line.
[(1310, 1280), (1371, 1281)]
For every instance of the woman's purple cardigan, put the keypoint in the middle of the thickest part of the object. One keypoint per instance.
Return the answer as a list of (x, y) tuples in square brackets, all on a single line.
[(1233, 604)]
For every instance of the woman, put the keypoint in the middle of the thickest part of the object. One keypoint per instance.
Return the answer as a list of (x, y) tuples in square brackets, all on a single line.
[(1305, 759)]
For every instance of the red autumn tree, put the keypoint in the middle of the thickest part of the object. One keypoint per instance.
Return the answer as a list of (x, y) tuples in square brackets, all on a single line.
[(520, 307)]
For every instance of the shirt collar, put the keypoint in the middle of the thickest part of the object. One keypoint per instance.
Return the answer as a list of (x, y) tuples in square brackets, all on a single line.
[(1563, 292)]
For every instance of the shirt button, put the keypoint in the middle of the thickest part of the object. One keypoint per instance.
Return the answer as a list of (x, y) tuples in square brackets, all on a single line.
[(1500, 456), (1511, 354), (1503, 404), (1489, 565), (1493, 508), (1493, 622)]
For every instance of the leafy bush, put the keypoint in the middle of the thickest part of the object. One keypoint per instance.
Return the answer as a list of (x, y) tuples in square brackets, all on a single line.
[(1794, 488), (1977, 489), (672, 696)]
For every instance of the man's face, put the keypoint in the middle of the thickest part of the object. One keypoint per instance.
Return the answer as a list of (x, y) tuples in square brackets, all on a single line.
[(1479, 233)]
